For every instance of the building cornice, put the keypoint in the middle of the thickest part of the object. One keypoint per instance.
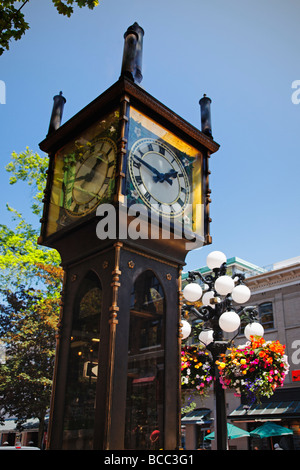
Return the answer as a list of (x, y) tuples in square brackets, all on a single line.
[(289, 275)]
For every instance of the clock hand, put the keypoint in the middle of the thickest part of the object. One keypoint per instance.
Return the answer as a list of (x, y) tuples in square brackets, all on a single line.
[(88, 177), (159, 177), (151, 168), (166, 176), (163, 177), (171, 174)]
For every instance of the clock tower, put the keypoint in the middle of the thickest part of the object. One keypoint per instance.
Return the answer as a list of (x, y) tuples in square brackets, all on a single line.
[(127, 197)]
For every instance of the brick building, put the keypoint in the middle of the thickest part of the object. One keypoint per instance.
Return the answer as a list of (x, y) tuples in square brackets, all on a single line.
[(276, 293)]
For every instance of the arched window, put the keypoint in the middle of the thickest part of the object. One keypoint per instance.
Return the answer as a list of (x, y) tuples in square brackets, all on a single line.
[(146, 357), (79, 413), (266, 315)]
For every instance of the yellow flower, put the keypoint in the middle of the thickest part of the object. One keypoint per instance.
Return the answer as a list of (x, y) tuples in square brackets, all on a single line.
[(222, 365), (243, 361)]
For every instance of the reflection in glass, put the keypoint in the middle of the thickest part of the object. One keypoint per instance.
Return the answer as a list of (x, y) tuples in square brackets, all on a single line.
[(80, 403), (145, 376)]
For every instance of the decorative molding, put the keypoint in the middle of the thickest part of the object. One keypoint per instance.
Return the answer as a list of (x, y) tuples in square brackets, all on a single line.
[(271, 280)]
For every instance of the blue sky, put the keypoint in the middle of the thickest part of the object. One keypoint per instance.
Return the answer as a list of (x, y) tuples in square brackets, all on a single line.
[(243, 54)]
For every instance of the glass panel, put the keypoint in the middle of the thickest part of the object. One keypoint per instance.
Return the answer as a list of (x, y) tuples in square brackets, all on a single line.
[(83, 367), (84, 174), (145, 376), (182, 200)]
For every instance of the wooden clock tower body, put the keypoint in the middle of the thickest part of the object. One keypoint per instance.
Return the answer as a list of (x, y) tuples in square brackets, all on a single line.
[(117, 370)]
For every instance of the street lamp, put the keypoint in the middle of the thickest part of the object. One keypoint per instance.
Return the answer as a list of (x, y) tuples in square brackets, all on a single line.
[(219, 315)]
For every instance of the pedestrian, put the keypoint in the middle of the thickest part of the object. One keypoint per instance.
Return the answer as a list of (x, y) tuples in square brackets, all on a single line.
[(277, 447)]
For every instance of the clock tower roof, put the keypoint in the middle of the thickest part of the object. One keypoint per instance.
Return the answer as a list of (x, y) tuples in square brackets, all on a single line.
[(137, 97)]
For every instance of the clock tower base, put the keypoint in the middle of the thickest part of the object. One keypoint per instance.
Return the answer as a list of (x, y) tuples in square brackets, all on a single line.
[(117, 373)]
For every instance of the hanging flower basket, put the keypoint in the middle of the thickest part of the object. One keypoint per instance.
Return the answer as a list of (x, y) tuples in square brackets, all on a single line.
[(195, 370), (254, 370)]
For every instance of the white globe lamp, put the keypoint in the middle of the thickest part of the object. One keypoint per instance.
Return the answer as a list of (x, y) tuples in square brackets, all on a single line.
[(215, 259), (206, 337), (207, 296), (229, 321), (192, 292), (185, 329), (241, 294), (224, 285), (254, 329)]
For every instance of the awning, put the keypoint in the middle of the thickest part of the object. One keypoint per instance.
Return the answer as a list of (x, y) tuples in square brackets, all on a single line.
[(198, 416), (269, 410)]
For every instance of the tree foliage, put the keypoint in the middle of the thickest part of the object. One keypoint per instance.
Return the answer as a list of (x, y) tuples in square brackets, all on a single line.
[(28, 323), (20, 255), (30, 285), (12, 19)]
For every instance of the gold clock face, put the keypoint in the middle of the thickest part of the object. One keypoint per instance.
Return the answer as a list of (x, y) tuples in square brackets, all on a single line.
[(86, 182), (83, 174), (159, 177)]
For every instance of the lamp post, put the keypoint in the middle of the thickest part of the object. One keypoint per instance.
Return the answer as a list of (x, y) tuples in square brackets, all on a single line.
[(219, 315)]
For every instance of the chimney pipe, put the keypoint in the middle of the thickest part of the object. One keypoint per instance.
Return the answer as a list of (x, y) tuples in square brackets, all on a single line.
[(205, 115), (132, 53), (57, 112)]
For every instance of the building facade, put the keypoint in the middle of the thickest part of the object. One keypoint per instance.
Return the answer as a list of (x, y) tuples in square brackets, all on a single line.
[(276, 293)]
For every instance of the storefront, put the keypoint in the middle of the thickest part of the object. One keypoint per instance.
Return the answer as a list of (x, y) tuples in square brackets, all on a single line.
[(279, 411), (195, 425)]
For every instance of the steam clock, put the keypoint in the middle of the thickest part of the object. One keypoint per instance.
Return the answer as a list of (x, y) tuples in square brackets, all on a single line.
[(127, 197)]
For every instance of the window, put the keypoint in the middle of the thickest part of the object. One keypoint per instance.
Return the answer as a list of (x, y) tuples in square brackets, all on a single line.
[(79, 415), (266, 315), (145, 375)]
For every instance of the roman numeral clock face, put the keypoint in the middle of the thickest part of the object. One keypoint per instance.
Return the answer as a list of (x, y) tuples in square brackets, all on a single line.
[(87, 181), (159, 177)]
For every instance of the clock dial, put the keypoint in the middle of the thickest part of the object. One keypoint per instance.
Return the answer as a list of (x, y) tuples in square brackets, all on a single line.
[(159, 177), (88, 180)]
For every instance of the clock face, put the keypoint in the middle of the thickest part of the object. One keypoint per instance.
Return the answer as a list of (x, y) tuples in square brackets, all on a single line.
[(86, 182), (159, 177), (164, 172), (83, 174)]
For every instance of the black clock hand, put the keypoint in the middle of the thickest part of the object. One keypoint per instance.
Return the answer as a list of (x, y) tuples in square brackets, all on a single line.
[(163, 177), (151, 168), (159, 177), (171, 174), (88, 177)]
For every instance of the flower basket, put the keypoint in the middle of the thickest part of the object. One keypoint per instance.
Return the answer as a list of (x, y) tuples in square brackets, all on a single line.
[(195, 369), (254, 370)]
